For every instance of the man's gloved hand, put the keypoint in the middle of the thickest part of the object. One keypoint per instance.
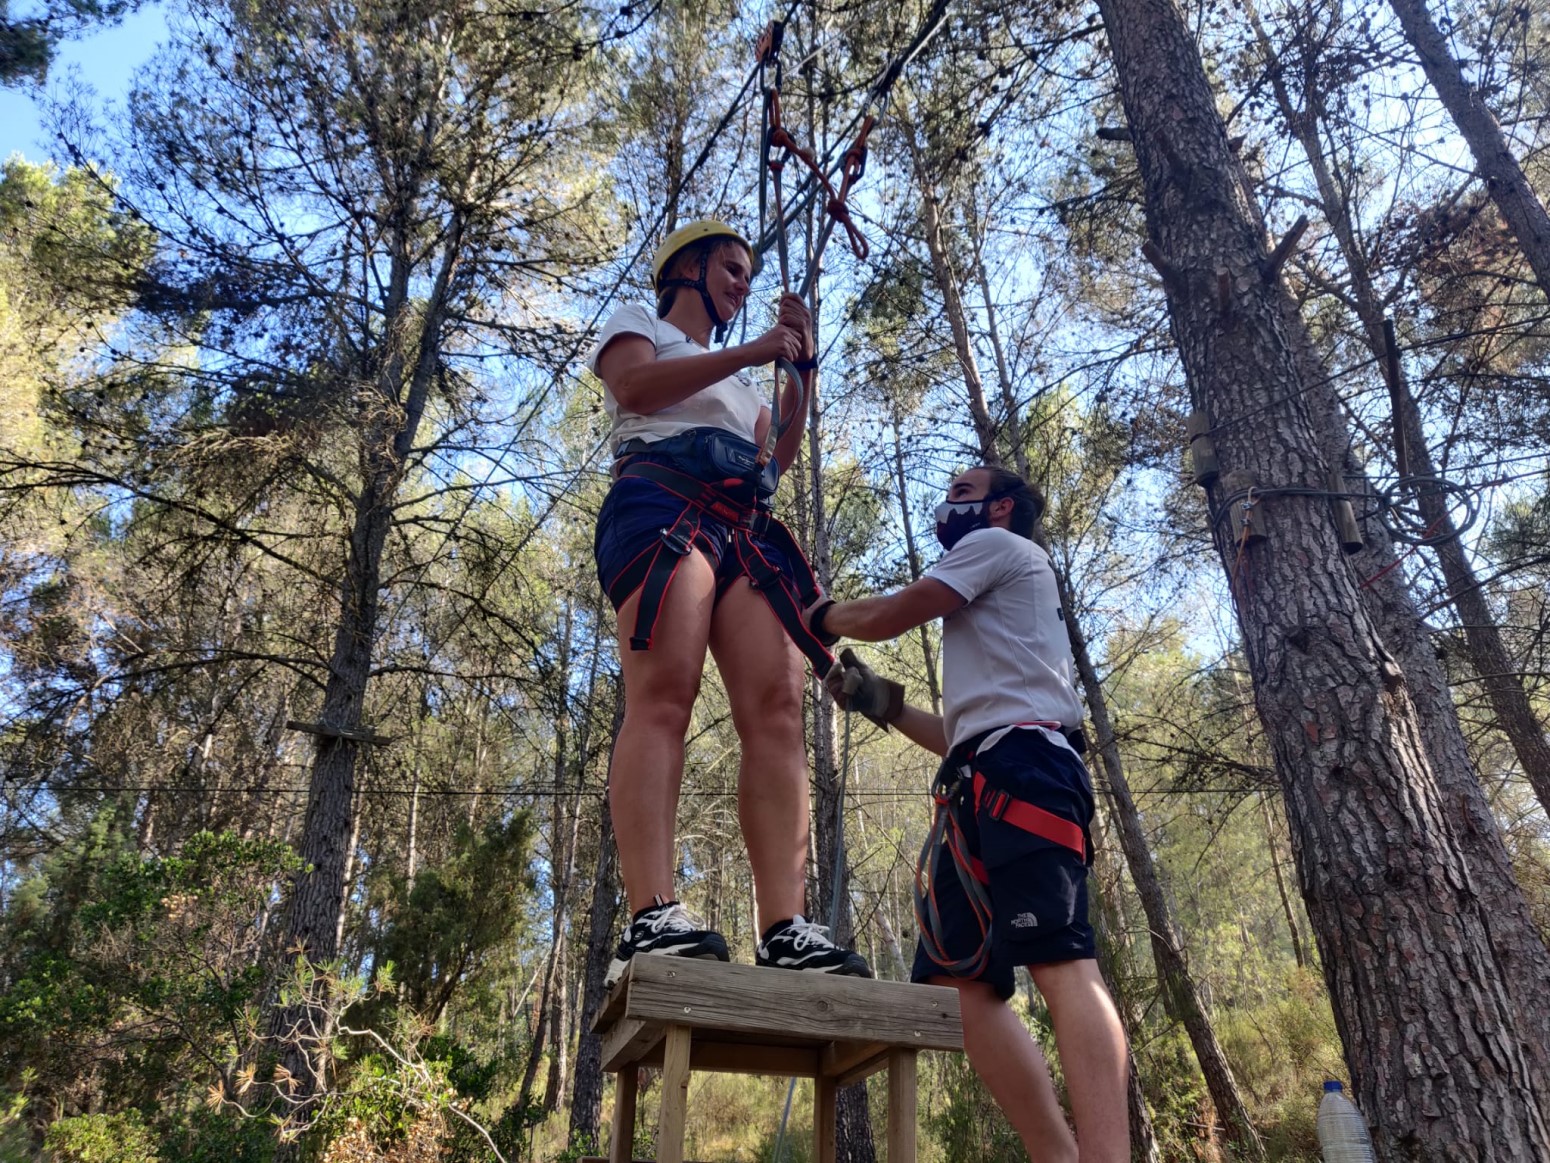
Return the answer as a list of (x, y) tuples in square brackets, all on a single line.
[(857, 687)]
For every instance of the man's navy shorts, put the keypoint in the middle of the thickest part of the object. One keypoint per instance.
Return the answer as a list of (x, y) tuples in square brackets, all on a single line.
[(635, 516), (1038, 888)]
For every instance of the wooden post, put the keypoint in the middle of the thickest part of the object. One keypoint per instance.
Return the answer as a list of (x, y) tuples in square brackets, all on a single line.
[(1202, 452), (901, 1106), (621, 1147), (825, 1110), (1345, 516), (675, 1095)]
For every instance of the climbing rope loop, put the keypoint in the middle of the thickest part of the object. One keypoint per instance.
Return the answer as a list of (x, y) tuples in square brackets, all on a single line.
[(946, 836)]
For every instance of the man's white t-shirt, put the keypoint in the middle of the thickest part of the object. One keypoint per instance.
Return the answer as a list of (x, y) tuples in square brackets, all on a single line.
[(1005, 655), (731, 404)]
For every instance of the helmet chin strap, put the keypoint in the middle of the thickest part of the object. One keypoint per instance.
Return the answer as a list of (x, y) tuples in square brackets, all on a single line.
[(699, 285)]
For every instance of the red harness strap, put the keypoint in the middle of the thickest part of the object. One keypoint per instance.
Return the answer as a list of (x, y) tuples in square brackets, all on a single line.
[(1021, 814)]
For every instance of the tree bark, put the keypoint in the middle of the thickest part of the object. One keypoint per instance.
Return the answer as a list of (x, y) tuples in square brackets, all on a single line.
[(587, 1087), (1444, 1059), (928, 656), (389, 419), (1493, 665), (1385, 593), (1504, 178)]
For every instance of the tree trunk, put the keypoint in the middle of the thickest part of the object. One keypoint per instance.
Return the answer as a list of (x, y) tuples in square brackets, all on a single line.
[(535, 1049), (831, 904), (389, 419), (948, 284), (928, 656), (1287, 911), (1504, 178), (1443, 1057), (1385, 594), (587, 1087), (1167, 945), (1493, 665)]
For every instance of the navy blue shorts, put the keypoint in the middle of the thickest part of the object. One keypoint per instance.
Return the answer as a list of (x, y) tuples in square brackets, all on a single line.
[(1038, 888), (635, 516)]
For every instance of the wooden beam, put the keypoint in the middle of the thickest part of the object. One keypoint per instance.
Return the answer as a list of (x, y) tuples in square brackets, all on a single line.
[(325, 732), (861, 1071), (825, 1112), (752, 1001), (621, 1145), (628, 1041), (742, 1058)]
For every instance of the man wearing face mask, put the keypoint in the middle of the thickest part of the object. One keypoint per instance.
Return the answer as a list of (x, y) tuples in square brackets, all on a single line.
[(1005, 870)]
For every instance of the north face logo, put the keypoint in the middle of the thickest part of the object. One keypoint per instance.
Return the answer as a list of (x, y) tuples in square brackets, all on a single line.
[(1025, 921)]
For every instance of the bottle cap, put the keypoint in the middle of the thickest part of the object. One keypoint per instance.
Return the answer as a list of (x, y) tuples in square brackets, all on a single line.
[(1333, 1084)]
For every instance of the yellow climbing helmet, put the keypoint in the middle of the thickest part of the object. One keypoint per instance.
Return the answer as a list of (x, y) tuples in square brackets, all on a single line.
[(687, 236), (691, 233)]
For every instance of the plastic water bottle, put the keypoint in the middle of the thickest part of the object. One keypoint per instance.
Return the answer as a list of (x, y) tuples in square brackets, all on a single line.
[(1343, 1133)]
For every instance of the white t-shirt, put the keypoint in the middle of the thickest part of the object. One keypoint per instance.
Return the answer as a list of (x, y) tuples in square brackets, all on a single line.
[(731, 404), (1005, 655)]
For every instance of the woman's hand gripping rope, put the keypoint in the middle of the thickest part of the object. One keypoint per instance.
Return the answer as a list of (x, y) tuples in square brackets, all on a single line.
[(796, 355)]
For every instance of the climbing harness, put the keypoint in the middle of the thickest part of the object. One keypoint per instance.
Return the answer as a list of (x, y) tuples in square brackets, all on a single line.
[(959, 787), (736, 503)]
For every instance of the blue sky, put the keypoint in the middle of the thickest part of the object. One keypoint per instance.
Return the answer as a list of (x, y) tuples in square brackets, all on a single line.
[(104, 61)]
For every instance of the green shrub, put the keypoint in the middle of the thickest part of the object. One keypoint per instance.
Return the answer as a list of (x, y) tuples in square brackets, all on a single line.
[(119, 1138)]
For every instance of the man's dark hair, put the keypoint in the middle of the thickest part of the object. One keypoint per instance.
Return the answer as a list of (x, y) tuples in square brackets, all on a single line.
[(1027, 501)]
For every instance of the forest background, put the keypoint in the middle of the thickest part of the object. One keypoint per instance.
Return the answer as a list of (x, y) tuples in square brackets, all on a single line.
[(307, 683)]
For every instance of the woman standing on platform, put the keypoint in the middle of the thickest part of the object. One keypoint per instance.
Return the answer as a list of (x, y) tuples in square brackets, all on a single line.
[(683, 532)]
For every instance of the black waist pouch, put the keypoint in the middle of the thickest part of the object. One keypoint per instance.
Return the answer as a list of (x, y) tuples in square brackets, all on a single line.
[(711, 455)]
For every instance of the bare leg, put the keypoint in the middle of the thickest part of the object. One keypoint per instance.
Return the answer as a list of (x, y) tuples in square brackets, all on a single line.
[(762, 671), (660, 686), (1091, 1042), (1012, 1067)]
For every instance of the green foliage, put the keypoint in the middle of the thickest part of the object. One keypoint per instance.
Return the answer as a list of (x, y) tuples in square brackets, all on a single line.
[(459, 912), (27, 45), (969, 1127), (115, 1138), (131, 976)]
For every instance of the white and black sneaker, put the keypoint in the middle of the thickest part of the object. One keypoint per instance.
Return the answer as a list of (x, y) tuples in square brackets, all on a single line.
[(665, 928), (800, 944)]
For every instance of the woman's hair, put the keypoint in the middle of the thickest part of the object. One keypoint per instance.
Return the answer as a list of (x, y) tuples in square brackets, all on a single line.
[(1027, 501)]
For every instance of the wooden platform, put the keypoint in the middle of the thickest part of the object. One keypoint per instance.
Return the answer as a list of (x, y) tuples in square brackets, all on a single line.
[(685, 1015)]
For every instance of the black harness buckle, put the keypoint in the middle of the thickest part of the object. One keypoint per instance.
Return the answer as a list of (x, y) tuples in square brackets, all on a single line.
[(677, 539)]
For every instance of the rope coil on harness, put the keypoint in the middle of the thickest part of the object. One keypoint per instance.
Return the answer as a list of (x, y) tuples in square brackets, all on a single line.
[(947, 833)]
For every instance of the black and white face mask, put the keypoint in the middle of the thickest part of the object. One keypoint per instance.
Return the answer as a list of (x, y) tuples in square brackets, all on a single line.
[(955, 519)]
